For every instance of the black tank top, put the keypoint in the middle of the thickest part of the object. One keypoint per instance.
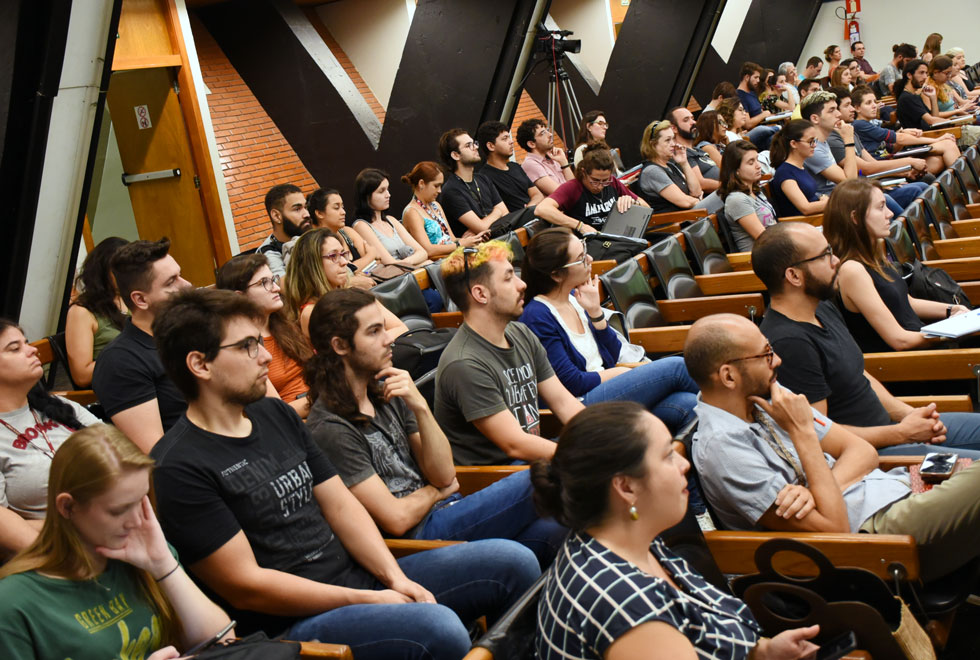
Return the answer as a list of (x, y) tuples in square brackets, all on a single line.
[(895, 295)]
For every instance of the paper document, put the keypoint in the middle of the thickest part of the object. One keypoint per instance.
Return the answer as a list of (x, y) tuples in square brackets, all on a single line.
[(955, 326)]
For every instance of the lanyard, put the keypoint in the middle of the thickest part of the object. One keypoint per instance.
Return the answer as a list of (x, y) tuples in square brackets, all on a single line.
[(49, 452), (777, 446)]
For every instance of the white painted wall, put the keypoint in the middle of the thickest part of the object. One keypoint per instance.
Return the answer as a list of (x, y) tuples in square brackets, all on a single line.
[(373, 34), (591, 21), (113, 208), (893, 22)]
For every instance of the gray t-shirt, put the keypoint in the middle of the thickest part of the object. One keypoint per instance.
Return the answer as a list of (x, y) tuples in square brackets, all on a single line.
[(742, 473), (477, 379), (701, 160), (737, 206), (836, 144), (24, 463), (889, 75), (821, 159)]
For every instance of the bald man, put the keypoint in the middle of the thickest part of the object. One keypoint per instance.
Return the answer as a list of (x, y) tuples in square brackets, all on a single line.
[(823, 362), (767, 460)]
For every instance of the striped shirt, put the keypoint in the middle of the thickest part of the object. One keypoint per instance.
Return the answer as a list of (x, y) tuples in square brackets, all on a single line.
[(592, 597)]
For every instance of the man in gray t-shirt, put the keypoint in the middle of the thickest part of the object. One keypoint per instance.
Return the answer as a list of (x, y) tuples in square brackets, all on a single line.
[(493, 371)]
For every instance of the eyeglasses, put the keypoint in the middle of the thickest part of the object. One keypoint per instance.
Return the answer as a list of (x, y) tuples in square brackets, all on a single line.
[(599, 182), (466, 264), (828, 252), (768, 355), (812, 141), (267, 283), (250, 345), (469, 145), (585, 257), (723, 124), (603, 124), (543, 131), (336, 257)]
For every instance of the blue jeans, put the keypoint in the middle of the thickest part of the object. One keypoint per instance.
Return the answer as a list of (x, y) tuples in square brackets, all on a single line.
[(663, 387), (962, 438), (898, 199), (761, 135), (468, 580), (503, 510)]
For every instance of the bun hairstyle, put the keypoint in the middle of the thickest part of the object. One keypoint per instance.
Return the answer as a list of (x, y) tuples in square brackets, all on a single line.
[(426, 171), (780, 147), (602, 441)]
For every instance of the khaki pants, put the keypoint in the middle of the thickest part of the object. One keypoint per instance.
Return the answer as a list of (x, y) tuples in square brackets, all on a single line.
[(944, 521)]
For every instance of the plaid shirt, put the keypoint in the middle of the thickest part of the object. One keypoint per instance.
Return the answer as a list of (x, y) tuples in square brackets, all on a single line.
[(592, 597)]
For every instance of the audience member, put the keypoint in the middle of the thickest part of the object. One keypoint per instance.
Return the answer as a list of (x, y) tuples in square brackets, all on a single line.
[(129, 379), (807, 87), (96, 315), (497, 148), (593, 130), (746, 208), (545, 165), (902, 54), (790, 91), (748, 93), (584, 203), (250, 501), (841, 77), (833, 55), (34, 424), (286, 208), (685, 133), (249, 274), (668, 182), (878, 309), (948, 103), (377, 430), (960, 81), (711, 131), (723, 90), (813, 69), (823, 362), (424, 218), (616, 590), (100, 580), (387, 237), (326, 208), (794, 190), (880, 141), (916, 99), (494, 370), (932, 47), (766, 459), (857, 52), (320, 264), (470, 200), (767, 93), (561, 307), (781, 93), (857, 74)]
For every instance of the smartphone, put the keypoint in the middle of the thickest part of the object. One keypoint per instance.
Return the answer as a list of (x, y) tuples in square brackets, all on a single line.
[(836, 648), (937, 467), (208, 643)]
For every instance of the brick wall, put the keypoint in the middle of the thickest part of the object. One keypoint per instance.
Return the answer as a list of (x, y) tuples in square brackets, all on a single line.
[(254, 155), (527, 109)]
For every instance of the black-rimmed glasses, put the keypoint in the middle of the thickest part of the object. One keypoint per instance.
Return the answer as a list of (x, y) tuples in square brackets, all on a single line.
[(828, 252), (267, 283), (250, 345), (768, 355)]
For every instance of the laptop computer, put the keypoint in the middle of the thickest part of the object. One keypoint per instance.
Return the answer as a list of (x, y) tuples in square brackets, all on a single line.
[(632, 224)]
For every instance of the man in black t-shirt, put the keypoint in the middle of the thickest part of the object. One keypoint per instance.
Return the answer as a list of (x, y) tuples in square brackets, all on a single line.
[(262, 519), (497, 147), (912, 111), (469, 198), (128, 378), (822, 361)]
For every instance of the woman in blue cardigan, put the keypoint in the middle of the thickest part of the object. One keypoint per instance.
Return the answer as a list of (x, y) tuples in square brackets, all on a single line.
[(561, 306)]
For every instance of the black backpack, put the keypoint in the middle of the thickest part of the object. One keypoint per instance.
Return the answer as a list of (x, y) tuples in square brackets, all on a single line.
[(933, 284)]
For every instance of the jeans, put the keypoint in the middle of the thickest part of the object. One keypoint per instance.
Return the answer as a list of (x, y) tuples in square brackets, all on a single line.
[(663, 387), (468, 580), (761, 136), (503, 510), (962, 438), (898, 199)]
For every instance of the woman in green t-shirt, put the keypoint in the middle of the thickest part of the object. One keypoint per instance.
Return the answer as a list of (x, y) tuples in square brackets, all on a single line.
[(100, 581)]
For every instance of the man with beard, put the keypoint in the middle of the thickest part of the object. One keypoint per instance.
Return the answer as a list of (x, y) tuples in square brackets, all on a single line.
[(129, 379), (767, 460), (494, 369), (913, 111), (685, 134), (823, 362), (545, 165), (376, 428), (469, 198), (513, 185), (258, 513), (287, 211)]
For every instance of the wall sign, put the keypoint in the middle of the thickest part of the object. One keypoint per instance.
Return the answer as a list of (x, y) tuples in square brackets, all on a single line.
[(143, 117)]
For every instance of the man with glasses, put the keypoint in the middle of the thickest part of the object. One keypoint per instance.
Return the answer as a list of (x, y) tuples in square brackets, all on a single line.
[(545, 165), (822, 361), (768, 460), (584, 203), (259, 514), (469, 198)]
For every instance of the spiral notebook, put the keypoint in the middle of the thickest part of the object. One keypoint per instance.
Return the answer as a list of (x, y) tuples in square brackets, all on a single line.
[(955, 326)]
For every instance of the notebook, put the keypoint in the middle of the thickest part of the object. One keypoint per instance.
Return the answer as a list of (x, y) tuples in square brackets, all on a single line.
[(954, 326)]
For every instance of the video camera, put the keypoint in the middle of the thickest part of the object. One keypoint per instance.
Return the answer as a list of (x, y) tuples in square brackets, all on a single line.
[(556, 42)]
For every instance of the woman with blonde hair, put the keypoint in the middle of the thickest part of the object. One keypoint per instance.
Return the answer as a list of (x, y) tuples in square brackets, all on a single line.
[(958, 80), (100, 581), (319, 264)]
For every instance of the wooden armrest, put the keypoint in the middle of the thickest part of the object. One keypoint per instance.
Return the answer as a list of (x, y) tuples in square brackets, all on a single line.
[(966, 228), (629, 365), (816, 220), (676, 216), (973, 210), (478, 653), (521, 234), (743, 281), (740, 260), (668, 228), (890, 462), (422, 277), (603, 266), (944, 403), (404, 547), (966, 268), (476, 477), (734, 552), (44, 351), (901, 366), (321, 650), (81, 397), (660, 340), (953, 248), (972, 291), (447, 319), (748, 305), (955, 131)]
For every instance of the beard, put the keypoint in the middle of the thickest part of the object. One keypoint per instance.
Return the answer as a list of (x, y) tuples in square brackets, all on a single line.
[(691, 135), (296, 230), (244, 397), (820, 290)]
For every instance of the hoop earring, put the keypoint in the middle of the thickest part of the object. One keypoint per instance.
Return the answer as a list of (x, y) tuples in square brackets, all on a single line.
[(634, 515)]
